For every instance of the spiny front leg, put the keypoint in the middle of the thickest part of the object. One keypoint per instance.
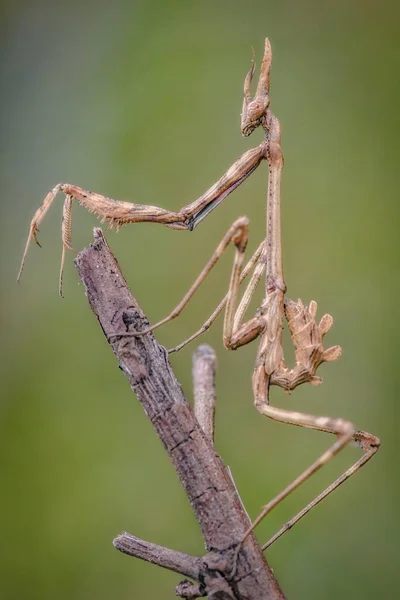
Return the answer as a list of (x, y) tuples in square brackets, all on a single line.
[(118, 212), (66, 236)]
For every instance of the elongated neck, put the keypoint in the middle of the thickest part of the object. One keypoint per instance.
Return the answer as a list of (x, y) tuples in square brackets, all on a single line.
[(274, 268)]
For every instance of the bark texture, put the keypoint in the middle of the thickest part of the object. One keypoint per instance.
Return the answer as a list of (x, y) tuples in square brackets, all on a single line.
[(222, 573)]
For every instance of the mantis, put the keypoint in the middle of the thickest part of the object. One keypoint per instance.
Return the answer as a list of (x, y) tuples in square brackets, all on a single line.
[(306, 332)]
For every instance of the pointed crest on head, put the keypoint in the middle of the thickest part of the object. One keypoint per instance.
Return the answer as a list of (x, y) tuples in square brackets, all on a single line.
[(254, 111)]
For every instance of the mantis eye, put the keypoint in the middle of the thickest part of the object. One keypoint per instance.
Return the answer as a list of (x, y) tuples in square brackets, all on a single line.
[(248, 130)]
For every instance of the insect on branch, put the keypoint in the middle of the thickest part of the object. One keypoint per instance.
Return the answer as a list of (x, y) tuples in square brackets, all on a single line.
[(276, 309), (206, 481)]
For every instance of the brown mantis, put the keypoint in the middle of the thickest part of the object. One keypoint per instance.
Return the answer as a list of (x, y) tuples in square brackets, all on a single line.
[(307, 334)]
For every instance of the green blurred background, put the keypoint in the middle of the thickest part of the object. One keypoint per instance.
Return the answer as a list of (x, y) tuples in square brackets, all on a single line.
[(140, 101)]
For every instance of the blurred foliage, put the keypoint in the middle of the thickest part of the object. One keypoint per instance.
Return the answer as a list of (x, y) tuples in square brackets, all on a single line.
[(140, 101)]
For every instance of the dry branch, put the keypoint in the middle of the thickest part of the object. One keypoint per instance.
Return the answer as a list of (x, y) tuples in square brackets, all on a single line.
[(204, 365), (204, 477)]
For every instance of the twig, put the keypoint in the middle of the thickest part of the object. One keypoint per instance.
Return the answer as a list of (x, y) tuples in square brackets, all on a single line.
[(158, 555), (204, 364), (201, 471)]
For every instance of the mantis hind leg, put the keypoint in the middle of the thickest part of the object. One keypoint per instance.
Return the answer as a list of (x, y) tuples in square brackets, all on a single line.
[(345, 432)]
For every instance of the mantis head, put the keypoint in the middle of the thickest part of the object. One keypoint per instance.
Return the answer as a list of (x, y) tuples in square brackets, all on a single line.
[(254, 112)]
